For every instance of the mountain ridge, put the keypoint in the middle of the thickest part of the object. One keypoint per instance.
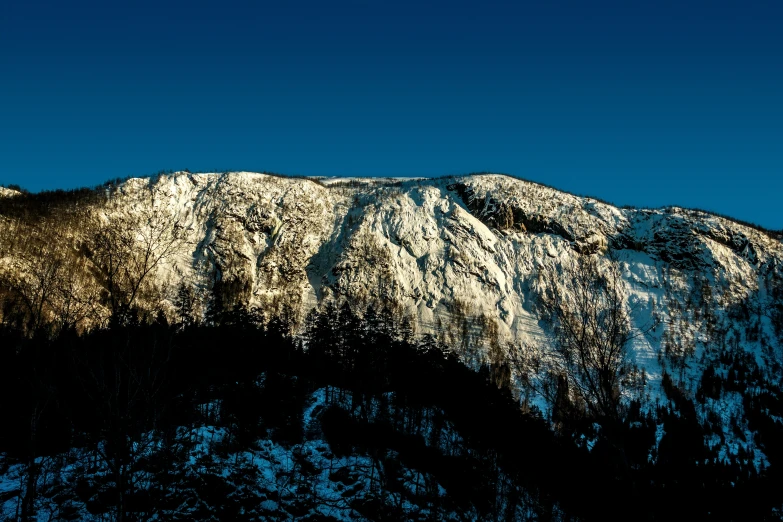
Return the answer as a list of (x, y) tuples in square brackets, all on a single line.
[(14, 190), (463, 258)]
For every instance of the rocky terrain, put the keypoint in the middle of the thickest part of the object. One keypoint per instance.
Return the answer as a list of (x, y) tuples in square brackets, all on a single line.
[(464, 258)]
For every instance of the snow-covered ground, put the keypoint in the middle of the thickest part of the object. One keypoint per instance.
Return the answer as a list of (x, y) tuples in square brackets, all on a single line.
[(306, 478)]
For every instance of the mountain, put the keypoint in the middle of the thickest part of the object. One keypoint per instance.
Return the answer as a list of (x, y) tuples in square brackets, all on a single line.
[(641, 348), (466, 259), (440, 251)]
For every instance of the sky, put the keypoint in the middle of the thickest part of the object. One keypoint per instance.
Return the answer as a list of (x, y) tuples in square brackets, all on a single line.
[(644, 103)]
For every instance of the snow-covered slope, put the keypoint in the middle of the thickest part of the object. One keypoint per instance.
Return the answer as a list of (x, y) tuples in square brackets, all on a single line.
[(424, 244), (437, 249), (463, 257)]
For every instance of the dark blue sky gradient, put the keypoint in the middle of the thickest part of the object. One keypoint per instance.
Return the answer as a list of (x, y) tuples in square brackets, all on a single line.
[(640, 103)]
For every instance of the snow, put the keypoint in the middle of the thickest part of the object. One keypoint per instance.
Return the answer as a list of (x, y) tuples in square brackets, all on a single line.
[(336, 482), (416, 244)]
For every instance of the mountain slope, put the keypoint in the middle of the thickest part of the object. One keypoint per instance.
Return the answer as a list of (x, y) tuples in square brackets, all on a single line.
[(465, 258)]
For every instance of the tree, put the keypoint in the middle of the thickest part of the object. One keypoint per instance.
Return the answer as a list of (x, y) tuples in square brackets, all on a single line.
[(187, 305), (37, 278), (77, 296), (127, 247), (591, 332), (124, 377), (50, 289)]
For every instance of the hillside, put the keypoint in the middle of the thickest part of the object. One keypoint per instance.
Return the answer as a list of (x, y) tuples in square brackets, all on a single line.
[(476, 262)]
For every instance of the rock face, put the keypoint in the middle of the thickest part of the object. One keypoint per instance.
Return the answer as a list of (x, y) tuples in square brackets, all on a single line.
[(461, 256)]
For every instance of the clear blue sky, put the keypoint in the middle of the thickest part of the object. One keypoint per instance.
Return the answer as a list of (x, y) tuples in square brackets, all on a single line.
[(637, 102)]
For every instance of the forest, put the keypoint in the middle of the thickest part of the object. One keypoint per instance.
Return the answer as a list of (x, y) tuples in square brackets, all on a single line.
[(100, 425)]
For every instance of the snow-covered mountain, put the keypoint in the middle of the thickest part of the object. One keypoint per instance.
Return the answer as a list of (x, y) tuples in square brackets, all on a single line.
[(437, 250), (469, 260), (463, 257)]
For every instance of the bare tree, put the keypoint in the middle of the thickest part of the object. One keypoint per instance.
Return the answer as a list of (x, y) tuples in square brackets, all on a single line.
[(50, 284), (591, 327), (125, 385), (77, 296), (127, 247), (36, 280)]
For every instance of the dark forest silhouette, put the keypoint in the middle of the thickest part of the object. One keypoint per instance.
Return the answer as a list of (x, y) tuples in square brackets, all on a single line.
[(123, 393)]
